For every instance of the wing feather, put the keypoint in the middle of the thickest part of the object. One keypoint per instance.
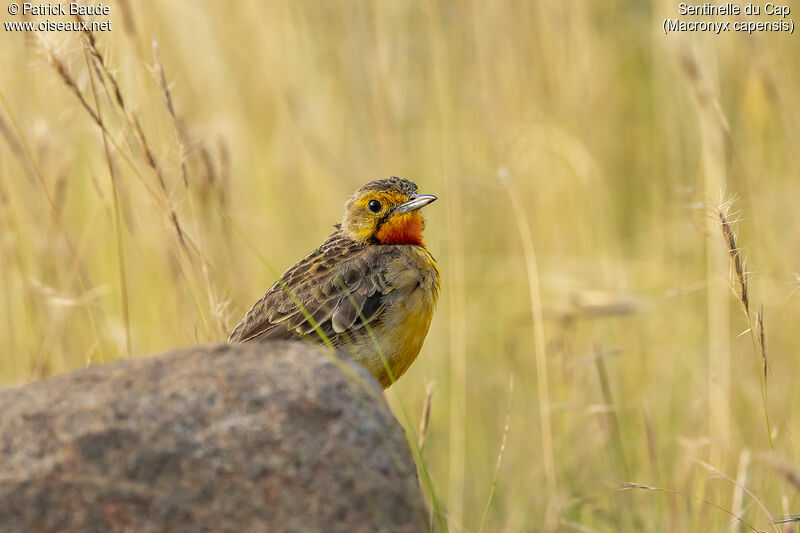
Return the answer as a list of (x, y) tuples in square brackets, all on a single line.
[(336, 285), (348, 309)]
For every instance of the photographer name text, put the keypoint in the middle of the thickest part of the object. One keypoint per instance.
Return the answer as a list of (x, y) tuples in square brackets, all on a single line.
[(37, 17)]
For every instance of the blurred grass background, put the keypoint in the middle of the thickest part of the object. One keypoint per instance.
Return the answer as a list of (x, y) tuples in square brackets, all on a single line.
[(618, 141)]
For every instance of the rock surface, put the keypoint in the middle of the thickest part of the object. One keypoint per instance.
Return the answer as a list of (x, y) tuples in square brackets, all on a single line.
[(270, 437)]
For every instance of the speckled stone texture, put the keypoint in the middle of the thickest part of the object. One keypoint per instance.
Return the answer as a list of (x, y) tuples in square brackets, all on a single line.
[(254, 437)]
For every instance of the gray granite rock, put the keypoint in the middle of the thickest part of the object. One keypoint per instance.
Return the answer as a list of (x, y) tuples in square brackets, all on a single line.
[(252, 437)]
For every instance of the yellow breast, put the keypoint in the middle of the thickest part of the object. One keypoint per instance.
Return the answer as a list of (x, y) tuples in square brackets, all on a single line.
[(389, 348), (407, 317)]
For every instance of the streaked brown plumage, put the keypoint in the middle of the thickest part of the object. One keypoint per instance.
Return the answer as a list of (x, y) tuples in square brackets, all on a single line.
[(370, 288)]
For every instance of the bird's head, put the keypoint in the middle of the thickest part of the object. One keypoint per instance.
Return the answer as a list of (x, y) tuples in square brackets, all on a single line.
[(387, 211)]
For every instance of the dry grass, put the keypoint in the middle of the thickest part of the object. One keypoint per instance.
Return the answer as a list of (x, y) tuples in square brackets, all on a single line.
[(737, 258), (740, 287), (149, 194)]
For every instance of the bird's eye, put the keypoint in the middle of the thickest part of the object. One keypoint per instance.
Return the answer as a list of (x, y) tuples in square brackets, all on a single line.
[(374, 206)]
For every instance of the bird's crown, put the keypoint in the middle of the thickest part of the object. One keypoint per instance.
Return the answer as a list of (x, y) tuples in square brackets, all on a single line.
[(392, 184)]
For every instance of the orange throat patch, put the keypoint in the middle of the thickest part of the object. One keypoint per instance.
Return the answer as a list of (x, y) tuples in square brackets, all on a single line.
[(402, 229)]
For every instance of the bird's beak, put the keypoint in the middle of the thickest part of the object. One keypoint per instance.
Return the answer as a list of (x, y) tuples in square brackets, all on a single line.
[(417, 201)]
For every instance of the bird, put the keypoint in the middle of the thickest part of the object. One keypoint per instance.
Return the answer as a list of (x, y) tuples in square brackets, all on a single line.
[(370, 290)]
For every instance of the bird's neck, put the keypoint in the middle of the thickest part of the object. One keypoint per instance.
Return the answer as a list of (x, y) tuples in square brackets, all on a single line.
[(402, 229)]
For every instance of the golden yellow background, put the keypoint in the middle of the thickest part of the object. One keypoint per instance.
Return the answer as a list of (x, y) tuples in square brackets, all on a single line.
[(571, 142)]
